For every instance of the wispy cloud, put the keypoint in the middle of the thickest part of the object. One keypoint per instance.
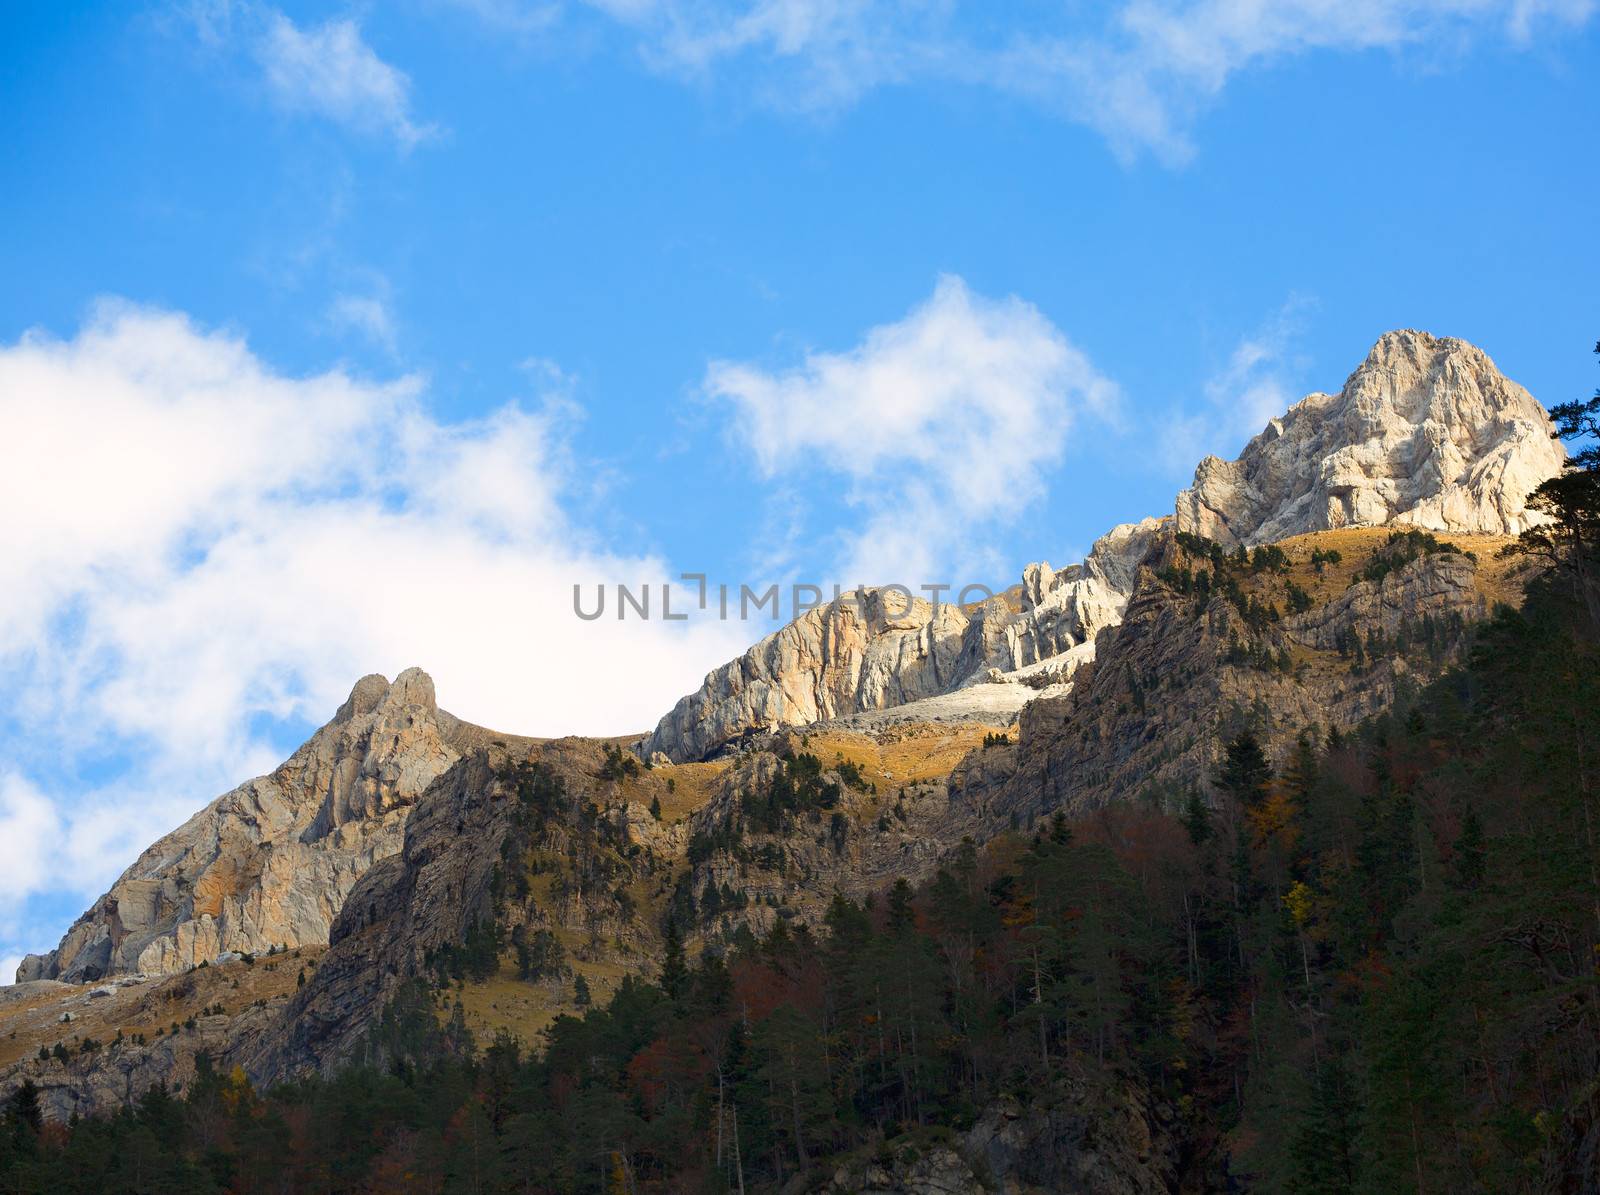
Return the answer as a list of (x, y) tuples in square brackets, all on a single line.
[(328, 70), (368, 315), (1256, 384), (1140, 72), (324, 70), (941, 424)]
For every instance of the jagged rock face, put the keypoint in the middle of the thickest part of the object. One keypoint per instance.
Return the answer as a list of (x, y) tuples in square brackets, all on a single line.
[(874, 653), (439, 885), (1062, 610), (426, 895), (1426, 432), (1168, 686), (837, 659), (271, 862)]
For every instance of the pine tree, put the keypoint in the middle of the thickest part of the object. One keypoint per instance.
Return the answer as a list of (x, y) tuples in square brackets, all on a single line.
[(1245, 770), (1469, 851), (674, 970), (1197, 818), (1570, 538), (902, 918), (1322, 1150)]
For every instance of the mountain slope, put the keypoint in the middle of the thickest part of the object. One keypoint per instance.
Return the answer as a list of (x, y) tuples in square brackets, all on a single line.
[(1367, 968), (1200, 657)]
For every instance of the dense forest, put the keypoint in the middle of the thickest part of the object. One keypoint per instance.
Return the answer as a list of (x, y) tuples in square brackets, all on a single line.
[(1372, 967)]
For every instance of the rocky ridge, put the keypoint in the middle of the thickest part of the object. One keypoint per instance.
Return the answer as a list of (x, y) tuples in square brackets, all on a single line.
[(1181, 672), (873, 650), (583, 855), (404, 817)]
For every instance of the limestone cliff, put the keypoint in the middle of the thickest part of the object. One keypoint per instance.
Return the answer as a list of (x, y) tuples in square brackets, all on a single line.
[(873, 650), (270, 863)]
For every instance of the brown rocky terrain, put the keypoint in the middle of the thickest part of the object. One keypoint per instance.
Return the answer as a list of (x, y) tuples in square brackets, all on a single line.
[(105, 1043)]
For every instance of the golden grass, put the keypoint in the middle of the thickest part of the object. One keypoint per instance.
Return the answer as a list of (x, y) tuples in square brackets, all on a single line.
[(1496, 578), (692, 786), (900, 755), (523, 1009)]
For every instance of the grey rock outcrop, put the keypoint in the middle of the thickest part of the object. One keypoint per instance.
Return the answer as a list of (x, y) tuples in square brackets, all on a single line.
[(443, 881), (427, 894), (873, 650), (1086, 1131), (272, 862), (1426, 432)]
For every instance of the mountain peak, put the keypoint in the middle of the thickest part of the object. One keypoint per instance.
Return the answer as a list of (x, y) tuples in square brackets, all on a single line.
[(1425, 432), (412, 688), (365, 696)]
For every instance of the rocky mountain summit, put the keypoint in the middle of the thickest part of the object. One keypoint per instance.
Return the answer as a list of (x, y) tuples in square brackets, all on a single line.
[(1426, 432), (270, 863)]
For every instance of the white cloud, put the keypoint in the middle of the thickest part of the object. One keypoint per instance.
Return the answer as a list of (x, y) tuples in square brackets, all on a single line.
[(328, 70), (1139, 72), (838, 48), (513, 16), (942, 424), (197, 541), (27, 819), (1165, 60)]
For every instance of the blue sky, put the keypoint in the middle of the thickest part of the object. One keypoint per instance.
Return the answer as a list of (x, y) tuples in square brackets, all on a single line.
[(346, 337)]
